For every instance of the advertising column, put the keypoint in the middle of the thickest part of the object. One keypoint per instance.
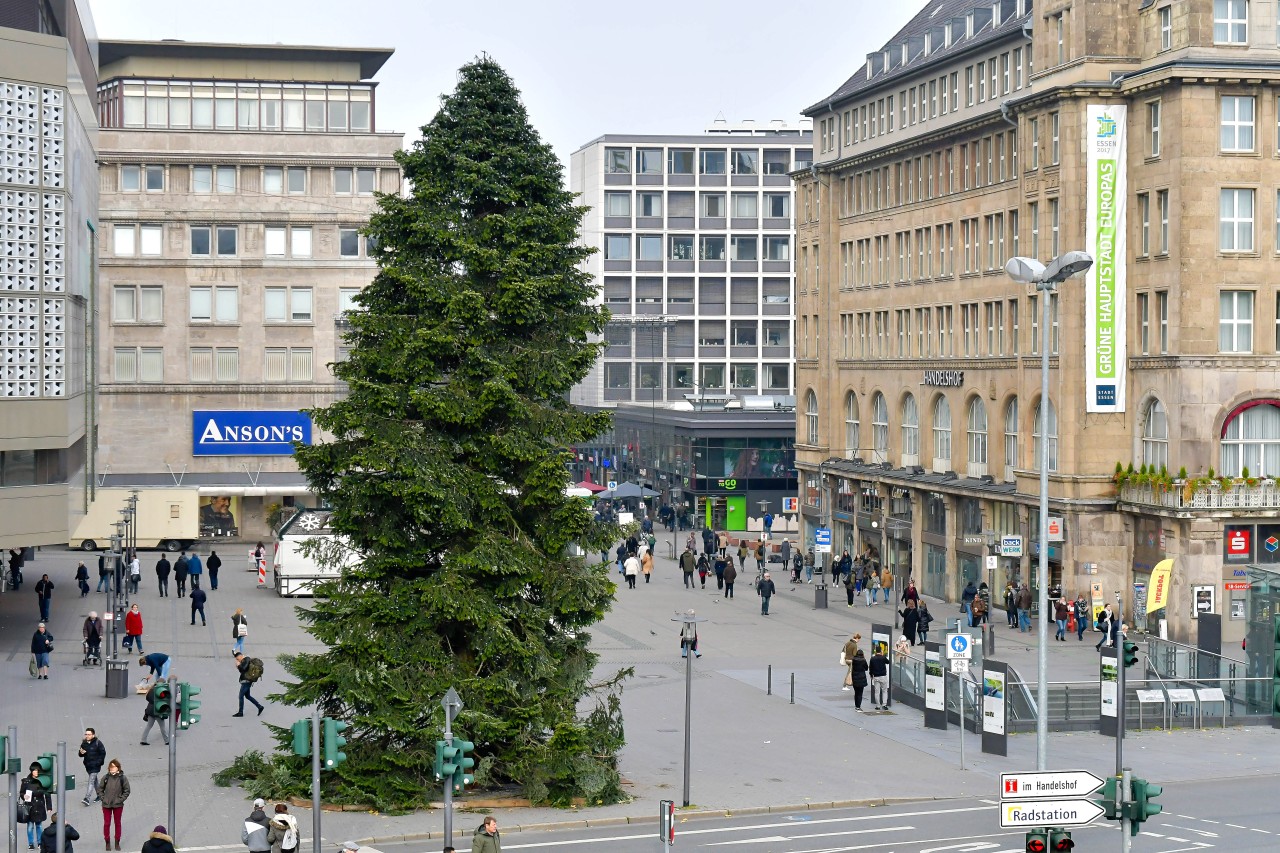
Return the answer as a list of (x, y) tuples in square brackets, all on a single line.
[(1104, 315), (995, 712)]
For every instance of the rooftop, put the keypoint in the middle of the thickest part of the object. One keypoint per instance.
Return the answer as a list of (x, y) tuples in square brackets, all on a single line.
[(370, 59)]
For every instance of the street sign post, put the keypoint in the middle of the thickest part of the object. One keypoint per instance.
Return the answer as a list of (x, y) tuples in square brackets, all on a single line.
[(1028, 814), (1048, 785), (958, 646), (822, 540)]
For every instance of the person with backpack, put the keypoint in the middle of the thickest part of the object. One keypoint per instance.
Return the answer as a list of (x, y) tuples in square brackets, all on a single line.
[(1082, 616), (282, 832), (82, 578), (760, 555), (704, 566), (688, 563), (250, 671)]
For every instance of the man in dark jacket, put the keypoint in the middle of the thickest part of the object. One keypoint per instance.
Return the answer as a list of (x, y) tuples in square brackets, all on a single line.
[(49, 838), (966, 601), (688, 563), (41, 647), (213, 564), (879, 669), (162, 575), (94, 754), (158, 842), (730, 575), (180, 571), (44, 595), (766, 588), (198, 598), (1024, 610), (708, 540), (82, 578), (104, 574)]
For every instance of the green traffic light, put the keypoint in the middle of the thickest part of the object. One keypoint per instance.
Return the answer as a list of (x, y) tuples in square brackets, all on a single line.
[(44, 775), (448, 761), (1130, 653), (438, 767), (1142, 805), (187, 703), (301, 738), (1108, 801), (333, 755)]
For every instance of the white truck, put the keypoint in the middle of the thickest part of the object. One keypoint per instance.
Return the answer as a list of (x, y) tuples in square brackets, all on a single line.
[(168, 519), (295, 571)]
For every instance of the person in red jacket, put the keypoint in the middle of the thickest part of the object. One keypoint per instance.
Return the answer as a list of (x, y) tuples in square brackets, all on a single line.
[(133, 628)]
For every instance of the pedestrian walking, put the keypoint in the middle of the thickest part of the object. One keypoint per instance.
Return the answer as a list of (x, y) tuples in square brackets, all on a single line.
[(163, 569), (708, 540), (630, 569), (873, 587), (198, 598), (878, 667), (93, 753), (850, 588), (923, 618), (82, 578), (104, 574), (113, 790), (44, 596), (91, 633), (213, 564), (808, 566), (717, 565), (239, 630), (910, 621), (768, 526), (133, 628), (1024, 610), (797, 566), (910, 593), (766, 588), (760, 555), (282, 832), (180, 571), (704, 566), (646, 564), (33, 805), (41, 648), (158, 663), (49, 838), (978, 610), (250, 670), (722, 541), (837, 569), (486, 838), (158, 842), (966, 601), (1011, 604), (135, 573), (150, 716), (195, 569), (1082, 616), (846, 659), (784, 551), (858, 670), (1061, 612), (730, 575), (688, 564), (254, 832), (886, 583), (743, 553)]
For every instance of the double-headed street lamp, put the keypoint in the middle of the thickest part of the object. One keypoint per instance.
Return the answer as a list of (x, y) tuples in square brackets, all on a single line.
[(1046, 279)]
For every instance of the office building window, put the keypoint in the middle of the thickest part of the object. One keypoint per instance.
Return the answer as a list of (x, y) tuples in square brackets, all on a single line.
[(1033, 126), (1166, 28), (617, 161), (138, 364), (273, 179), (348, 242), (617, 204), (712, 161), (617, 247), (135, 304), (746, 162), (617, 375), (1235, 321), (287, 364), (1230, 21), (745, 205), (649, 247), (215, 364), (743, 248), (1054, 229), (1235, 129), (1144, 224), (1235, 220), (910, 431), (1055, 148), (811, 417), (1144, 323), (1153, 129), (1162, 317), (852, 428), (214, 305), (287, 305), (879, 428), (1162, 210)]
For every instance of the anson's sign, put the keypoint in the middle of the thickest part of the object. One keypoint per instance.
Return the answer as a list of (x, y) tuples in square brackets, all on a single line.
[(248, 433)]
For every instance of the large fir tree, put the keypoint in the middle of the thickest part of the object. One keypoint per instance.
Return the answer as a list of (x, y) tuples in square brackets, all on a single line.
[(445, 468)]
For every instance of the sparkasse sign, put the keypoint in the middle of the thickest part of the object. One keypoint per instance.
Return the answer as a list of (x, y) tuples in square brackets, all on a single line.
[(248, 433)]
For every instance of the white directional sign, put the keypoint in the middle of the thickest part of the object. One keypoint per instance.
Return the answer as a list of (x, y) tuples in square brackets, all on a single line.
[(1019, 814), (1047, 785), (959, 666), (958, 646), (822, 540)]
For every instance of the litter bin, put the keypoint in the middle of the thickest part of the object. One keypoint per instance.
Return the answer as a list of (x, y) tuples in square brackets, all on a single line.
[(820, 597), (117, 679)]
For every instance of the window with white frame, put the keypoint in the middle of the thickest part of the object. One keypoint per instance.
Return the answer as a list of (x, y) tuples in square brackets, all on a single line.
[(1144, 224), (1235, 220), (1162, 317), (287, 305), (1252, 440), (910, 431), (1153, 128), (977, 435), (207, 240), (136, 304), (1144, 323), (617, 247), (743, 248), (852, 427), (137, 178), (879, 428), (1155, 437), (296, 179), (1054, 228), (214, 305), (142, 240), (617, 161), (649, 204), (1010, 438), (124, 240), (1033, 126), (1235, 321), (649, 247), (349, 242), (1166, 27), (1052, 438), (138, 364), (287, 364), (811, 417), (299, 242), (1162, 211), (1230, 21), (1055, 147), (273, 179), (215, 364), (617, 204), (941, 434), (1235, 129)]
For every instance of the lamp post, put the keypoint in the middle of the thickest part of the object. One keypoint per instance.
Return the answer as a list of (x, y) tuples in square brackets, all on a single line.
[(689, 645), (1046, 279)]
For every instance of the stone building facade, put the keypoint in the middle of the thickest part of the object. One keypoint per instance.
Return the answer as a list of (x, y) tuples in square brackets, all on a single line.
[(234, 180), (962, 143)]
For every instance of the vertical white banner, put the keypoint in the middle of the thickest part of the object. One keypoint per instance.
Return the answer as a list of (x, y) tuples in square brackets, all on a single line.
[(993, 711), (1104, 311), (934, 686)]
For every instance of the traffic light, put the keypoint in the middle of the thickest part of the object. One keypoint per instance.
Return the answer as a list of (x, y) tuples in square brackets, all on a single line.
[(47, 761), (161, 701), (1108, 801), (187, 703), (446, 761), (333, 756), (1130, 653), (301, 738), (1141, 806), (464, 762), (1060, 839), (1037, 841), (438, 766)]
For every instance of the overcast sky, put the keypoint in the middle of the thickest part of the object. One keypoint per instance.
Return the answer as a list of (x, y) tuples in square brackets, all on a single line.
[(585, 68)]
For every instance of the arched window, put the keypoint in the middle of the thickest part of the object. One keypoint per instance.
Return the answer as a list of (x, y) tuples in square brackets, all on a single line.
[(942, 435), (1155, 436), (977, 437), (1053, 438), (1010, 439), (852, 428), (880, 428), (910, 432), (1251, 439), (811, 416)]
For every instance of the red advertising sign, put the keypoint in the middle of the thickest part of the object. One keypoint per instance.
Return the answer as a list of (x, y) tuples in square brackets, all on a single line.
[(1237, 544), (1236, 584)]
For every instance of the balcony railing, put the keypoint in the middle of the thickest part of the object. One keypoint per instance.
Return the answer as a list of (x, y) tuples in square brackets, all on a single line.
[(1237, 494)]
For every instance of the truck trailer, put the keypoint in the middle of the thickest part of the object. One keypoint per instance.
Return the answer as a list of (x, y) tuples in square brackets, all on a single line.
[(168, 519)]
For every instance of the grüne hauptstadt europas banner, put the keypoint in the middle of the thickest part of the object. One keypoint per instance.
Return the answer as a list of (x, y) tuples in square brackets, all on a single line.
[(1104, 314)]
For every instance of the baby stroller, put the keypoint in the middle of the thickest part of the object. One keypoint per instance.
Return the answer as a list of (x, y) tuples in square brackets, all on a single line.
[(92, 650)]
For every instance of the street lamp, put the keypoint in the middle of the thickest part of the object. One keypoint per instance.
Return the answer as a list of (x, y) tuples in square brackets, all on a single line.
[(1046, 279), (689, 645)]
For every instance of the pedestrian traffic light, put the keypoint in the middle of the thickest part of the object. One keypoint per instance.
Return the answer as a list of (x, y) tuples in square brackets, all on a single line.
[(1130, 653), (438, 766), (160, 701), (301, 738), (333, 756), (47, 761), (1037, 841), (187, 703), (446, 761), (463, 762), (1108, 801), (1060, 839), (1141, 806)]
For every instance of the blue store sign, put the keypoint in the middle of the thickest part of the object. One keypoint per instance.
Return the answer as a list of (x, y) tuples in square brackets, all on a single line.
[(248, 433)]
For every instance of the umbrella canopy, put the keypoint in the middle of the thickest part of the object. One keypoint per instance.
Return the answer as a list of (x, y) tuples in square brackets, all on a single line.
[(629, 490), (589, 486)]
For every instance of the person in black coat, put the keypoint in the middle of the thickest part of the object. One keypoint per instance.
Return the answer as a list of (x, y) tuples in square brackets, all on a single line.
[(859, 669), (198, 598), (180, 571), (159, 842), (93, 752), (82, 578), (162, 575), (910, 621), (41, 647), (49, 838), (33, 795), (213, 564), (708, 540)]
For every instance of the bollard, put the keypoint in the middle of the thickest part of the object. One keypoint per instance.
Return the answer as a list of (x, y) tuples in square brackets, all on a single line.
[(769, 682), (793, 688)]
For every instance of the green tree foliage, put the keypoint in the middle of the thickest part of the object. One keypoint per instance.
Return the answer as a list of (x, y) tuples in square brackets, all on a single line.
[(446, 469)]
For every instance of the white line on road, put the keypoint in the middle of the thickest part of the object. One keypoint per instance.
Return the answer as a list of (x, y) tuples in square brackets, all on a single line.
[(778, 838), (1199, 845), (1204, 832), (1235, 826)]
